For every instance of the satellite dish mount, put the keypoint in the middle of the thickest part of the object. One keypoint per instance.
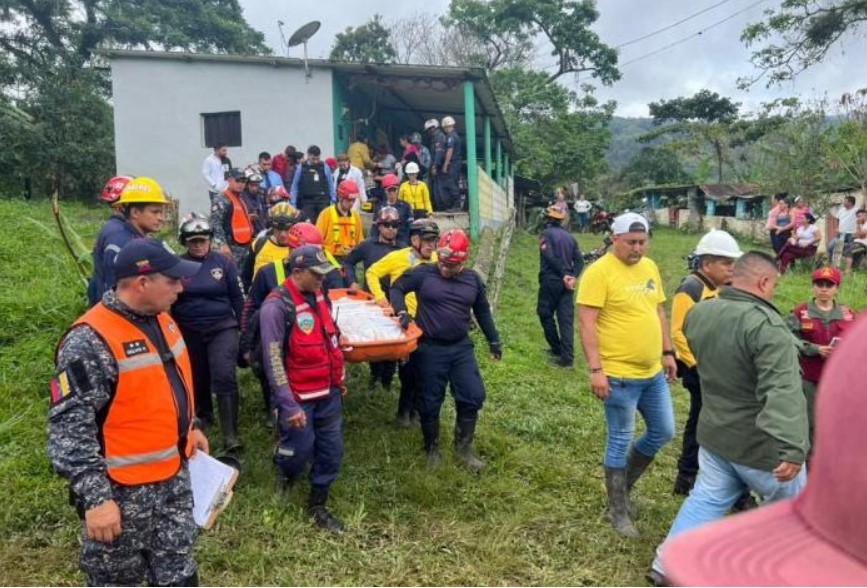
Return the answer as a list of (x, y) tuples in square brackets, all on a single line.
[(300, 37)]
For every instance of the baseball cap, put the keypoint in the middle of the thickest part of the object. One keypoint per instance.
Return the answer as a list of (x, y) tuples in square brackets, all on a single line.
[(832, 274), (629, 222), (141, 257), (312, 258), (816, 539)]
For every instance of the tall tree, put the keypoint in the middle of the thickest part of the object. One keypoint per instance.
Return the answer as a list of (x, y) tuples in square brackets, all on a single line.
[(367, 43), (845, 144), (654, 166), (702, 119), (52, 66), (798, 34), (510, 28)]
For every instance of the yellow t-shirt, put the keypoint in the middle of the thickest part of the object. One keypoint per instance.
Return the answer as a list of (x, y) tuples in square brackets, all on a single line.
[(340, 233), (270, 253), (628, 329), (393, 266), (416, 195)]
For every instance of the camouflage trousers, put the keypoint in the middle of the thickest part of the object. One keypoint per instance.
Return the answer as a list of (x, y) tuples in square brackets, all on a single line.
[(156, 540)]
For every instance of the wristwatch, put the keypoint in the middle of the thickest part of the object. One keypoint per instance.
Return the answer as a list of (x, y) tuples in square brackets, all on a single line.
[(668, 352)]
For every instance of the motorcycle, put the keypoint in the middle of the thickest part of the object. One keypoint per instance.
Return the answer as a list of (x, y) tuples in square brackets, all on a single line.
[(601, 221), (594, 254)]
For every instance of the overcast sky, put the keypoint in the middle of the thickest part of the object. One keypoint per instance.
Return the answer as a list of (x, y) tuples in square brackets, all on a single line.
[(714, 60)]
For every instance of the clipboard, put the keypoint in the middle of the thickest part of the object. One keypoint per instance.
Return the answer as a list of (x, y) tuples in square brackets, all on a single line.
[(212, 482)]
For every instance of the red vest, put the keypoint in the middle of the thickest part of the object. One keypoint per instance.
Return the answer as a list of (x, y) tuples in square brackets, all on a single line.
[(314, 363), (814, 330), (140, 431), (242, 226)]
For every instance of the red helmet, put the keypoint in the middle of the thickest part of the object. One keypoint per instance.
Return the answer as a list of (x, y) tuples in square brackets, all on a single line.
[(112, 189), (304, 234), (331, 163), (279, 191), (453, 246), (389, 181), (348, 190)]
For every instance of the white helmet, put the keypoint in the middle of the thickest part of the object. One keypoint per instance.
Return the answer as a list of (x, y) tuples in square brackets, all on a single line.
[(431, 123), (718, 243), (411, 168), (448, 122)]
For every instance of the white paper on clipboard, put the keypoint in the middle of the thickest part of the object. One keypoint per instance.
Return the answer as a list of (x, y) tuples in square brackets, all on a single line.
[(212, 483)]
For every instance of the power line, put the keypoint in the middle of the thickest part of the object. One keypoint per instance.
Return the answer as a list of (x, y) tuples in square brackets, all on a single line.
[(696, 34), (671, 26)]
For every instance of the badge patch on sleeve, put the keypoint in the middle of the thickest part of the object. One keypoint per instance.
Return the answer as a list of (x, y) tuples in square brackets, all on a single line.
[(133, 348), (60, 389)]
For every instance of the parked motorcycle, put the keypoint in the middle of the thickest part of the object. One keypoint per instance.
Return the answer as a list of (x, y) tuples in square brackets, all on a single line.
[(594, 254), (601, 221)]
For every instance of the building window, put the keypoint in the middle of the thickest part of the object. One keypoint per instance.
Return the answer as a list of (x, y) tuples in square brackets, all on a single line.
[(222, 127)]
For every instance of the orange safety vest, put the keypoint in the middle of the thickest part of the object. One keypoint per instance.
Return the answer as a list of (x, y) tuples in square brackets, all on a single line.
[(140, 437), (242, 226)]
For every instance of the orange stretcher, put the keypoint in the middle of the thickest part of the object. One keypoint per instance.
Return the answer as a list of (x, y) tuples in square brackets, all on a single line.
[(384, 350)]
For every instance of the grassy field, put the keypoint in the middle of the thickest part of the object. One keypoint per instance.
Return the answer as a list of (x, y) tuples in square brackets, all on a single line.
[(536, 516)]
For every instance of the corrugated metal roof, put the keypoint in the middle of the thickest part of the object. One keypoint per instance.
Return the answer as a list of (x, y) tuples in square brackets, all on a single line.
[(423, 90), (722, 192)]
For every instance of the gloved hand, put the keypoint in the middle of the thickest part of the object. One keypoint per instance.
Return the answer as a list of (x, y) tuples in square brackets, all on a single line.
[(496, 350), (405, 320)]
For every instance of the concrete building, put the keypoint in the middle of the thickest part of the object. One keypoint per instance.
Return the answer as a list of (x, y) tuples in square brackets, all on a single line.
[(167, 105)]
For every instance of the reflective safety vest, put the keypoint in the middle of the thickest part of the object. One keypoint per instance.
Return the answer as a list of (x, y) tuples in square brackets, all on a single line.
[(241, 226), (140, 436), (314, 361), (269, 252), (813, 329), (339, 222)]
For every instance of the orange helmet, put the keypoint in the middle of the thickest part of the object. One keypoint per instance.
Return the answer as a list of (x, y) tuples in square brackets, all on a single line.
[(453, 246), (304, 234), (112, 189), (555, 213), (389, 181), (348, 190)]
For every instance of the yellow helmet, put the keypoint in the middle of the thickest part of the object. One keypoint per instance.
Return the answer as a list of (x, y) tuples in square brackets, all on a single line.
[(282, 214), (143, 190), (555, 213)]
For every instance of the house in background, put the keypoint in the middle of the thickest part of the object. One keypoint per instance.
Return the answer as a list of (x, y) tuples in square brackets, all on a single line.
[(169, 108)]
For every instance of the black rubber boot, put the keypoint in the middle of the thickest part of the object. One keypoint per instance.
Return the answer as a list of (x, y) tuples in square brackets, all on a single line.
[(465, 430), (636, 464), (683, 484), (744, 503), (323, 517), (431, 433), (618, 510), (228, 407)]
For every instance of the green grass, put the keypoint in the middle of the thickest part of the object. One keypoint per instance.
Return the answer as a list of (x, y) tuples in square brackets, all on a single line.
[(536, 516)]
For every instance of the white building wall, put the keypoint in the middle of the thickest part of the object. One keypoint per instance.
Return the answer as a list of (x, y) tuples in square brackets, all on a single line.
[(158, 125)]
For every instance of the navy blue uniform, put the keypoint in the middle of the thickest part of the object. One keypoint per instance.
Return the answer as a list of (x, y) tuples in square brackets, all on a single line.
[(445, 352), (208, 312), (450, 191), (113, 235), (559, 257)]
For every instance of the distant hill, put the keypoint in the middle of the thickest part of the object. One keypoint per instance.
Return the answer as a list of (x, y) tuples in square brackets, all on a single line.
[(624, 139)]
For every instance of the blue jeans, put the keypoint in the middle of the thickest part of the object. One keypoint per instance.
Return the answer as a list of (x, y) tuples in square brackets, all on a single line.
[(718, 486), (652, 398)]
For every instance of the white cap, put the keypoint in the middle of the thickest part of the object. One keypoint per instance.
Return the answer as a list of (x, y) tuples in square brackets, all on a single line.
[(626, 223), (431, 123), (411, 168)]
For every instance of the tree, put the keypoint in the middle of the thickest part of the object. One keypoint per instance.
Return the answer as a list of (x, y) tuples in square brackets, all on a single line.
[(423, 39), (702, 119), (367, 43), (52, 67), (509, 28), (654, 166), (799, 34), (845, 144)]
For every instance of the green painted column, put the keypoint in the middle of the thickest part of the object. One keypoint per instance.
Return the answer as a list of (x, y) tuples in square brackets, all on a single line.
[(507, 170), (341, 130), (500, 162), (488, 169), (472, 170)]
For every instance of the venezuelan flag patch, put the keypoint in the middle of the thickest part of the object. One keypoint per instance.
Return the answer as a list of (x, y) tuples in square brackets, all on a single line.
[(60, 390)]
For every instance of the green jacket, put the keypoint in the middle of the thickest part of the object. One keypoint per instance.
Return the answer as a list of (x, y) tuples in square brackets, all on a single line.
[(753, 408)]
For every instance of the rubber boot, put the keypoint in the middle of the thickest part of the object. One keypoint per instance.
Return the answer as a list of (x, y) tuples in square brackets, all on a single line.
[(465, 430), (683, 484), (636, 464), (618, 511), (431, 433), (404, 407), (228, 407), (323, 517)]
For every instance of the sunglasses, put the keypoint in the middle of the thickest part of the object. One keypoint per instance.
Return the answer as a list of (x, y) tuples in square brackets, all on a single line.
[(390, 225)]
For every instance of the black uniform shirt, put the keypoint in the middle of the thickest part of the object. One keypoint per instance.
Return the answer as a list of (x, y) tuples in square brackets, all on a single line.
[(560, 255)]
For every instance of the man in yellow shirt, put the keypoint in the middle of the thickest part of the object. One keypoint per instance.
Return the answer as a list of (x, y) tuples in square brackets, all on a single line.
[(626, 341), (359, 153), (423, 235), (340, 224), (416, 193), (270, 245), (716, 254)]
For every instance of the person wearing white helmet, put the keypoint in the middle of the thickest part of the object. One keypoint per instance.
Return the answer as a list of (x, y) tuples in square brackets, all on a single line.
[(451, 169), (437, 146), (716, 254), (415, 193)]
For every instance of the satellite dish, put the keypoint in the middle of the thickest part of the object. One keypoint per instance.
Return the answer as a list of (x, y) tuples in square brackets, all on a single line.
[(304, 33), (301, 36)]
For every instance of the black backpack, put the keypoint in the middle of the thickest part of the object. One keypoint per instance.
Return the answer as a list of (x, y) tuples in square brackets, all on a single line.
[(254, 331)]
